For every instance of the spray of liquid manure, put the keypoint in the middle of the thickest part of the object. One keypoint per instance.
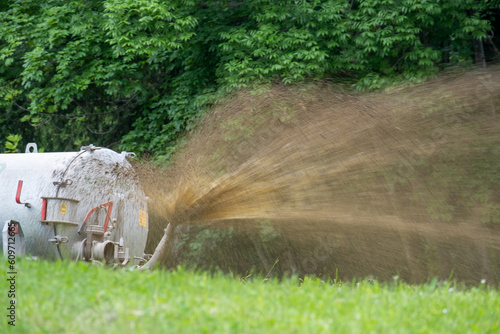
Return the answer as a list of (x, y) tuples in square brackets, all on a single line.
[(412, 160)]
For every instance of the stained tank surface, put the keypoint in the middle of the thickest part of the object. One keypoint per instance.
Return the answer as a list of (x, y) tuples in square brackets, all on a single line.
[(54, 196)]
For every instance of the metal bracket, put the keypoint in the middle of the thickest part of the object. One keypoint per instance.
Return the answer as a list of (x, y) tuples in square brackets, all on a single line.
[(31, 148), (128, 155), (13, 240), (90, 148), (122, 254), (63, 183), (59, 239)]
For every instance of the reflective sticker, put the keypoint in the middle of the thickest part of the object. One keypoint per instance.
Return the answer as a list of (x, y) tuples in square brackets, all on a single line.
[(143, 218), (63, 208)]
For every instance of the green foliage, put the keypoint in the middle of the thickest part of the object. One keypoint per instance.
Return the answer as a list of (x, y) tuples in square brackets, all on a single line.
[(55, 71), (202, 246), (136, 74), (207, 248), (84, 71), (11, 144), (74, 296), (379, 42)]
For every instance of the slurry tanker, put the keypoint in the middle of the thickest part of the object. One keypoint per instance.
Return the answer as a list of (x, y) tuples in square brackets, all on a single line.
[(81, 206)]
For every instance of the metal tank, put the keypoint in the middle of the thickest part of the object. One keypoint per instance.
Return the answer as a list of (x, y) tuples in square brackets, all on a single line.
[(84, 205)]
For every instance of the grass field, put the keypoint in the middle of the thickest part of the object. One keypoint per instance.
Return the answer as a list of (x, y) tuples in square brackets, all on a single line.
[(80, 298)]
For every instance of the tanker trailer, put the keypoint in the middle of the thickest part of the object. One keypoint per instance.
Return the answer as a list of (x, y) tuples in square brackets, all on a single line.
[(84, 205)]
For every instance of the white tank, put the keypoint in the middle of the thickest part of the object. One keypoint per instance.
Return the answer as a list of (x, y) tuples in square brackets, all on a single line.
[(85, 205)]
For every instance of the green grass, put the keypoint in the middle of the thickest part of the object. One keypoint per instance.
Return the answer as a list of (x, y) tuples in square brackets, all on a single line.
[(80, 298)]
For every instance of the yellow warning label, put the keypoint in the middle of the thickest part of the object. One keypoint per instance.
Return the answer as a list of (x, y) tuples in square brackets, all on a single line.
[(64, 206), (143, 218)]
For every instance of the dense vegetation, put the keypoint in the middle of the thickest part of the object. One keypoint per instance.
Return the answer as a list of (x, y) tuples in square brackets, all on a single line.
[(134, 74), (68, 297)]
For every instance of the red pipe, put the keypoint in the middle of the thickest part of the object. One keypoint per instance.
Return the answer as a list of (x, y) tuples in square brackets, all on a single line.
[(44, 209), (108, 213), (89, 213), (18, 194)]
